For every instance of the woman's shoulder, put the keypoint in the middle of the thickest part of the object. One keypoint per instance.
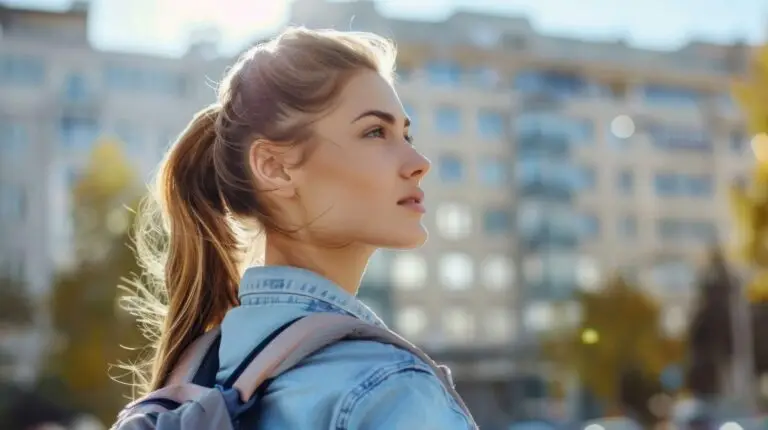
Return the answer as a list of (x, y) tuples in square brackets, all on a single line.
[(363, 384)]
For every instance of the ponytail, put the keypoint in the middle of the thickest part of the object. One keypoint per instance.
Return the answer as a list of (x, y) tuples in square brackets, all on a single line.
[(199, 272)]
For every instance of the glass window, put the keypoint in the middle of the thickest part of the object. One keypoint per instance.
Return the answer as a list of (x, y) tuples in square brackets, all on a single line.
[(444, 73), (450, 168), (588, 274), (490, 124), (75, 87), (499, 325), (409, 271), (493, 171), (448, 120), (699, 185), (13, 202), (590, 225), (498, 272), (78, 133), (626, 182), (454, 220), (539, 316), (628, 227), (587, 178), (666, 184), (13, 141), (673, 275), (738, 142), (459, 324), (411, 321), (669, 95), (21, 69), (457, 271), (497, 221)]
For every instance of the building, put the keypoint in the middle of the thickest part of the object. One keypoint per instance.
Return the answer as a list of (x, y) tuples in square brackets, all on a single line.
[(555, 163)]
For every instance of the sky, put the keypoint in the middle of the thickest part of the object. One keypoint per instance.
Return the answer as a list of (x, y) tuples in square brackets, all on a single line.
[(162, 26)]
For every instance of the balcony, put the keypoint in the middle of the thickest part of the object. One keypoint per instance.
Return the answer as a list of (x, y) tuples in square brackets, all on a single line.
[(541, 144), (546, 189), (546, 237)]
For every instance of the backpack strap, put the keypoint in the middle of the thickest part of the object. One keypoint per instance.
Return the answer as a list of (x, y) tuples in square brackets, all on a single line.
[(314, 332), (192, 358)]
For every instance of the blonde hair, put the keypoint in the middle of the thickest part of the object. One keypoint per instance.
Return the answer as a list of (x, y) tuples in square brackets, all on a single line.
[(193, 228)]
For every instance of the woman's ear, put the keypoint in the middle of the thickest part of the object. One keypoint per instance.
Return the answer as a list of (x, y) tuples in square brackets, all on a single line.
[(272, 167)]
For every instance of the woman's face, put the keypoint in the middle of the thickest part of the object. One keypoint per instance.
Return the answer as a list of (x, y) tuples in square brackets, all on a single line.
[(360, 183)]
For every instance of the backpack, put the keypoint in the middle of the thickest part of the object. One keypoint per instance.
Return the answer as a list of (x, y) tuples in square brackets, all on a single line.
[(190, 400)]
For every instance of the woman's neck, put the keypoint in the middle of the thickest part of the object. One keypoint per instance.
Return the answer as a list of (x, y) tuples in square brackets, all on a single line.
[(344, 266)]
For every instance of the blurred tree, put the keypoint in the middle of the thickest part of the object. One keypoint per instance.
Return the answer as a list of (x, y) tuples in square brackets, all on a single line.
[(94, 332), (619, 333), (751, 92), (750, 201), (710, 336)]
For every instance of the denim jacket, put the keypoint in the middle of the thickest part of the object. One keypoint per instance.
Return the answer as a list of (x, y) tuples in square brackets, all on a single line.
[(349, 385)]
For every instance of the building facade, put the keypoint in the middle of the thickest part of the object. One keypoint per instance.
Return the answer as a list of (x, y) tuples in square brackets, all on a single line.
[(556, 162)]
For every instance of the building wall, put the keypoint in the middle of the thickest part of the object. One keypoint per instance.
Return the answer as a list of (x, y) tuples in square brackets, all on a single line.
[(465, 82)]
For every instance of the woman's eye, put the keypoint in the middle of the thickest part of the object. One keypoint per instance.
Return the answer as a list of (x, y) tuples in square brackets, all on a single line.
[(377, 132)]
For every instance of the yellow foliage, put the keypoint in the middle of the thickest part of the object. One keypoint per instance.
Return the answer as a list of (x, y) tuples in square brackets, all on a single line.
[(619, 329), (749, 205), (95, 335), (752, 93)]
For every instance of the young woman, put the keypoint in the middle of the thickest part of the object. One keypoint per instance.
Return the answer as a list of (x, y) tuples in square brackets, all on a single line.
[(308, 148)]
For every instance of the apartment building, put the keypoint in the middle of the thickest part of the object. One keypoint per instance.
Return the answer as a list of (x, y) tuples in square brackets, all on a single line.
[(556, 163)]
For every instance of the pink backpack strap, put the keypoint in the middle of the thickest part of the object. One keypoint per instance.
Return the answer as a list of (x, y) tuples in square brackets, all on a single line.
[(316, 331), (192, 358)]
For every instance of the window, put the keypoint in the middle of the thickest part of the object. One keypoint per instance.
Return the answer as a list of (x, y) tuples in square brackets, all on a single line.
[(667, 137), (497, 221), (448, 120), (539, 316), (13, 140), (444, 73), (673, 275), (411, 321), (454, 220), (78, 133), (626, 182), (554, 83), (628, 227), (457, 271), (409, 271), (669, 184), (13, 202), (493, 172), (590, 225), (450, 169), (22, 70), (555, 125), (499, 325), (588, 274), (75, 87), (151, 81), (586, 177), (490, 124), (459, 324), (675, 229), (738, 142), (670, 96), (498, 272)]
